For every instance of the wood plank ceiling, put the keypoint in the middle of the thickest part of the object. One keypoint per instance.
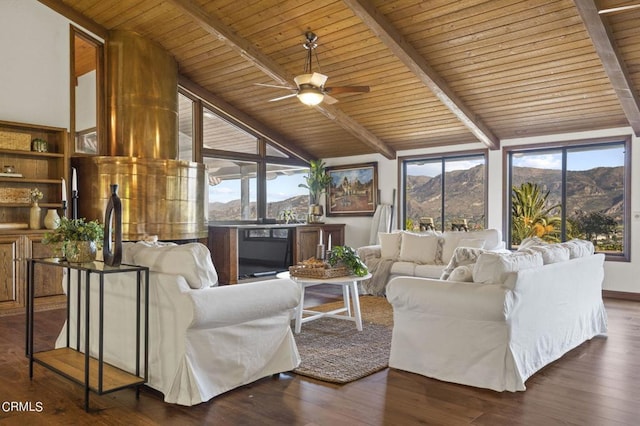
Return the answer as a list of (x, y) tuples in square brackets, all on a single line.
[(440, 72)]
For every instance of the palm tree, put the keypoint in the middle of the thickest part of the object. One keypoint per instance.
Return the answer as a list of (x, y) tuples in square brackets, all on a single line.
[(530, 215)]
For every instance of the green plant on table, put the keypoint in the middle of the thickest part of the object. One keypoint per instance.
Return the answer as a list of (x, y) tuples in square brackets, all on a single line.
[(75, 230), (349, 258)]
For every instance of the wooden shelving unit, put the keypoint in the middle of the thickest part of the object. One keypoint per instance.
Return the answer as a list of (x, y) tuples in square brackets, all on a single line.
[(42, 170)]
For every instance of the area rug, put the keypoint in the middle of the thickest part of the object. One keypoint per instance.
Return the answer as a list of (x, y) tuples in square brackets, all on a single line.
[(334, 351)]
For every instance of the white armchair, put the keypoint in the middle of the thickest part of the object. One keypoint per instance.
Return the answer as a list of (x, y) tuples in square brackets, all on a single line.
[(203, 341)]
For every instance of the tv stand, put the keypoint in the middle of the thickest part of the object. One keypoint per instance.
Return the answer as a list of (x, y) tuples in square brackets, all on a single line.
[(227, 248)]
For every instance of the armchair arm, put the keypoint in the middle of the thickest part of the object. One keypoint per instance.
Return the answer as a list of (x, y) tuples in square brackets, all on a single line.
[(473, 301), (235, 304), (367, 253)]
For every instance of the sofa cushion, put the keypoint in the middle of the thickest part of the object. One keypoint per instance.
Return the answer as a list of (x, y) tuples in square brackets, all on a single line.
[(453, 240), (428, 271), (462, 273), (390, 244), (420, 249), (192, 261), (494, 268), (578, 248), (551, 253), (403, 268), (461, 256)]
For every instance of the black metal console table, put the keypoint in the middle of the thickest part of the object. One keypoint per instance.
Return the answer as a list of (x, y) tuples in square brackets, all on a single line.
[(93, 373)]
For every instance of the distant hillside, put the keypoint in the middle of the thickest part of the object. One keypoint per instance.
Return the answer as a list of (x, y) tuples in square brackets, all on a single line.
[(599, 189)]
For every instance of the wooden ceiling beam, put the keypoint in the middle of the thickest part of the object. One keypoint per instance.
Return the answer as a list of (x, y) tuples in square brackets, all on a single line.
[(614, 66), (216, 28), (416, 63)]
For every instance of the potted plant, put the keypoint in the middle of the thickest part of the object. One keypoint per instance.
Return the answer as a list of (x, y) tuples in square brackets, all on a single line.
[(78, 239), (348, 257), (317, 182)]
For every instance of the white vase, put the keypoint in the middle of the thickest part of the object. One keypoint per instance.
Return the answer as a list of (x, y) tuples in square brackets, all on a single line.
[(51, 219), (34, 216)]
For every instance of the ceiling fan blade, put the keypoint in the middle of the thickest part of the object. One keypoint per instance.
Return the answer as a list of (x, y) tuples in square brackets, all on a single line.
[(347, 89), (273, 86), (318, 79), (291, 95), (329, 99)]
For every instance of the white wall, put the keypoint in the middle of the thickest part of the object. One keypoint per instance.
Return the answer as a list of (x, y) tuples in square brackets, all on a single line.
[(34, 76), (619, 276)]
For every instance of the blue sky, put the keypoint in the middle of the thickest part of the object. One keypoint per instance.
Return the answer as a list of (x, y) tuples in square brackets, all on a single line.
[(278, 189)]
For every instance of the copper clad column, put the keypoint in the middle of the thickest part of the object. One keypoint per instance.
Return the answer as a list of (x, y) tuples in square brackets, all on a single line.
[(160, 195), (143, 100)]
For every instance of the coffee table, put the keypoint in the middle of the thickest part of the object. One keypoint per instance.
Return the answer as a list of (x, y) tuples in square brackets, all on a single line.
[(349, 284)]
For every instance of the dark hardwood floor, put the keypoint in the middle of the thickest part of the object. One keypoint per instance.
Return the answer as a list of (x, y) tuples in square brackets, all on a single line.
[(597, 383)]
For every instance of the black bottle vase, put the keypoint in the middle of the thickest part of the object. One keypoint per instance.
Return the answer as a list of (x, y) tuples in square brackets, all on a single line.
[(112, 245)]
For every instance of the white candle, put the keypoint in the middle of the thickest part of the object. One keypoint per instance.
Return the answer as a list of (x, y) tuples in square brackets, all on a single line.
[(329, 243), (321, 239), (64, 190), (74, 180)]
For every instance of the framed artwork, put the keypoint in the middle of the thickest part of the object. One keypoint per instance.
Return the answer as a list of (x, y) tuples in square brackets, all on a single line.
[(353, 190), (87, 141)]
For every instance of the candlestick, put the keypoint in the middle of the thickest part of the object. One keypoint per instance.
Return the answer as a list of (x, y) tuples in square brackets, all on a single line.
[(74, 204), (74, 180), (320, 252), (64, 208)]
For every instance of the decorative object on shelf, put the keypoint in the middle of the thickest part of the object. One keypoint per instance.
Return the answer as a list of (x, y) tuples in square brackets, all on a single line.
[(74, 193), (9, 169), (39, 145), (35, 212), (51, 219), (347, 256), (353, 190), (80, 239), (317, 182), (112, 244), (16, 141)]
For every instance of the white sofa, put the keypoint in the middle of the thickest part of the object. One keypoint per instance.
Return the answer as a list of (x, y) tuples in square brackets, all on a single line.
[(524, 313), (203, 340), (419, 254)]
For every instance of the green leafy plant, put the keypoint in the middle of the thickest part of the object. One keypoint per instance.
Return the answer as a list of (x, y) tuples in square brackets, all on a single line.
[(532, 216), (75, 230), (317, 181), (348, 257)]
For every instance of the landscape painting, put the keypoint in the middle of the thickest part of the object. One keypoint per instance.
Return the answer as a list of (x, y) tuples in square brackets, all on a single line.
[(353, 190)]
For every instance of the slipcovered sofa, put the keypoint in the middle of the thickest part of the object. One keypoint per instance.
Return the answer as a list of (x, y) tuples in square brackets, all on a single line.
[(203, 339), (419, 254), (519, 312)]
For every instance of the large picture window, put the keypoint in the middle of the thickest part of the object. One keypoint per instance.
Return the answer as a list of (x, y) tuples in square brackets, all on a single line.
[(444, 193), (248, 178), (573, 191)]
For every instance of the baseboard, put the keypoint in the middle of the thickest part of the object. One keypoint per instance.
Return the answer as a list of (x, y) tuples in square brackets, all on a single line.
[(625, 295)]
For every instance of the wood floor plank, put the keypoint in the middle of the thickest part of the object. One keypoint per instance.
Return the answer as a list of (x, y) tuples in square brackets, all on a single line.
[(597, 383)]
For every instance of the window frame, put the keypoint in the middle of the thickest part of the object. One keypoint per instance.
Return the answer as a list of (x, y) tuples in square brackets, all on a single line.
[(260, 158), (563, 147), (402, 162)]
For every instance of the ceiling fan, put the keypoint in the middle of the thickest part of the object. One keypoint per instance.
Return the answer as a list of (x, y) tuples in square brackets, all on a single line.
[(310, 88)]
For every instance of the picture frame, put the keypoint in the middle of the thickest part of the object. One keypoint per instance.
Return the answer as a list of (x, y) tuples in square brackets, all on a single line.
[(87, 141), (353, 190)]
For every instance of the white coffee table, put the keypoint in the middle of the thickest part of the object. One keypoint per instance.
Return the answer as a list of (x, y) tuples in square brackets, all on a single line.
[(349, 284)]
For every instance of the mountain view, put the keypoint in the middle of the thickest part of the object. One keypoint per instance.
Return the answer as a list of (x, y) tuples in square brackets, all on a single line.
[(599, 189)]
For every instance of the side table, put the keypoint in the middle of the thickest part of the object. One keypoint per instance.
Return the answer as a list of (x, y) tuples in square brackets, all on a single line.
[(94, 374), (349, 284)]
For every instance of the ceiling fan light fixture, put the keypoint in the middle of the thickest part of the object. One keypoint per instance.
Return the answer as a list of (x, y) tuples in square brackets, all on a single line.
[(310, 96)]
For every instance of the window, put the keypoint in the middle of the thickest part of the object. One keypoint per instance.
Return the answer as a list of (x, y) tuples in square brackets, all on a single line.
[(444, 193), (248, 177), (573, 191)]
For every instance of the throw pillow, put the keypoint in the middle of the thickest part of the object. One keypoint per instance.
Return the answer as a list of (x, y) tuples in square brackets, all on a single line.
[(192, 261), (471, 243), (419, 249), (531, 242), (390, 245), (462, 273), (461, 256), (578, 248), (494, 268), (551, 253)]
